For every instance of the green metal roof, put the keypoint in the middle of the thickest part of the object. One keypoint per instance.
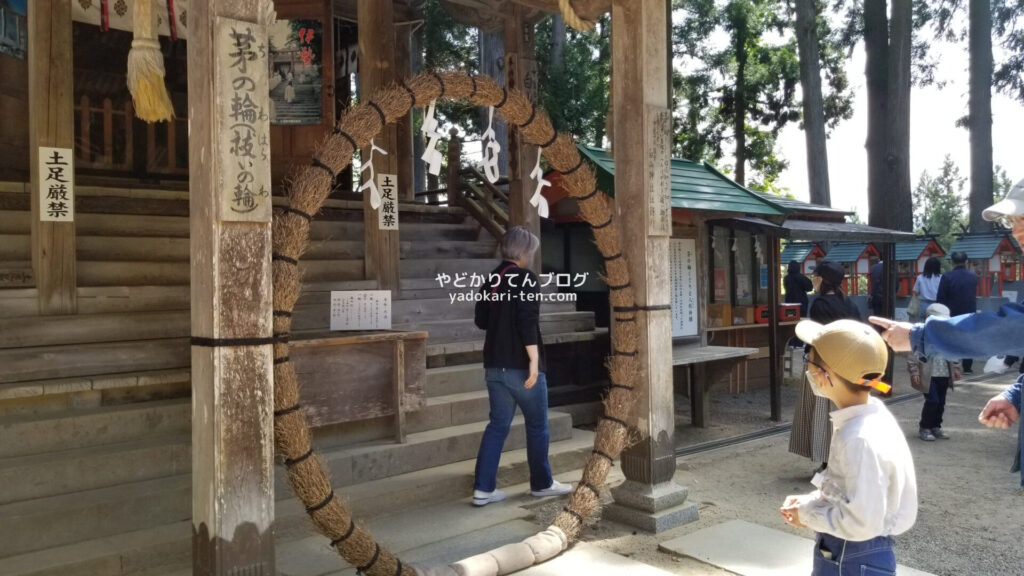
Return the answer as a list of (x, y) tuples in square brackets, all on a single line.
[(796, 251), (789, 205), (981, 246), (912, 250), (843, 253), (694, 186)]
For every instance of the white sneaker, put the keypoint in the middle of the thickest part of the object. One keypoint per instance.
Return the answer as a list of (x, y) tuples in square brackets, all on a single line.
[(481, 498), (556, 489)]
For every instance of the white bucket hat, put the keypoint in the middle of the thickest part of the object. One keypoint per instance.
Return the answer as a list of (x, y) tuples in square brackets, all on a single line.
[(1012, 205)]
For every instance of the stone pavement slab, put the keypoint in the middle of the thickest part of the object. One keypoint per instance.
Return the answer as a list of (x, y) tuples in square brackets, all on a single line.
[(590, 560), (753, 550)]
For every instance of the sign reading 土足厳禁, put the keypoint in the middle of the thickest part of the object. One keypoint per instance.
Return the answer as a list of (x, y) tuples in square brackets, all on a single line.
[(361, 310), (56, 185), (243, 121)]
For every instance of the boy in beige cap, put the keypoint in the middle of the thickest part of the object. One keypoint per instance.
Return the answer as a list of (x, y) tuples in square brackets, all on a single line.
[(868, 493)]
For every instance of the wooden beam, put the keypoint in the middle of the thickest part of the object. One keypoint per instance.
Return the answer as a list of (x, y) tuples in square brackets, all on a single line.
[(377, 71), (521, 74), (51, 121), (232, 385), (403, 69)]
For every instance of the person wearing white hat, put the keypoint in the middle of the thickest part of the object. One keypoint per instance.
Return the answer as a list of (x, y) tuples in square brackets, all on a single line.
[(933, 377), (868, 493), (978, 334)]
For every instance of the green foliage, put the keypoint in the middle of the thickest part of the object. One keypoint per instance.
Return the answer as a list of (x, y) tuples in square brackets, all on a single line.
[(939, 204), (449, 45), (1001, 183), (575, 92), (762, 51)]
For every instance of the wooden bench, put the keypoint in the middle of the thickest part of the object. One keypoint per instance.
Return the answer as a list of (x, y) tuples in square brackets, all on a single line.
[(350, 376), (694, 357)]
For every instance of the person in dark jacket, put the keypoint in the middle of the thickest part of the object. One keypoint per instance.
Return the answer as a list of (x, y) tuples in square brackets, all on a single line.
[(514, 366), (877, 276), (812, 432), (958, 291), (797, 286)]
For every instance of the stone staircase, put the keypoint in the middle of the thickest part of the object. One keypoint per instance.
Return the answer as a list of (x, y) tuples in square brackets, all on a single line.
[(95, 437)]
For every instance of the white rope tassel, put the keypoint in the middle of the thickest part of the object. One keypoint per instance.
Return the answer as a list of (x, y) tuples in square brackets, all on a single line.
[(146, 67), (506, 559)]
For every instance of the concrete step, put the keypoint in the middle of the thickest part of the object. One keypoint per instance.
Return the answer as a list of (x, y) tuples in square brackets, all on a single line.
[(41, 475), (451, 410), (450, 380), (40, 434), (69, 518), (392, 507)]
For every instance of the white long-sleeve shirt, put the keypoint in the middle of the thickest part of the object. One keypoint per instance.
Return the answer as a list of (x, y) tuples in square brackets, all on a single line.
[(869, 488)]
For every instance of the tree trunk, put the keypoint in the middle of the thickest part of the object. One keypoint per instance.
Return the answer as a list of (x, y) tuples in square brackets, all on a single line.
[(557, 43), (814, 112), (980, 114), (740, 104), (897, 149), (492, 63), (876, 47)]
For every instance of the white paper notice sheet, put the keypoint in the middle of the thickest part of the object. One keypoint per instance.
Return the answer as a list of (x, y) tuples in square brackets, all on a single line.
[(361, 310)]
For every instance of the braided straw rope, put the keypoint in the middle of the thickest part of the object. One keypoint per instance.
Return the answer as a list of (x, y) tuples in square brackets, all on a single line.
[(311, 184), (572, 18)]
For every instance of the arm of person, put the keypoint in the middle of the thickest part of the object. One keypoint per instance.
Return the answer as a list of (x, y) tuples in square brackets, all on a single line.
[(970, 335), (914, 368), (481, 312), (942, 294), (528, 321), (805, 284), (859, 514)]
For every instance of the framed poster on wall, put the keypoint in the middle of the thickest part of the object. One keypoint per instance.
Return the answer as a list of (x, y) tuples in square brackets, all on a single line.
[(683, 277), (296, 73)]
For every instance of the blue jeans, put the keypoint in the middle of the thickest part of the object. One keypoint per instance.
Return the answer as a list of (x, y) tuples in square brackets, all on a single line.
[(873, 557), (505, 389)]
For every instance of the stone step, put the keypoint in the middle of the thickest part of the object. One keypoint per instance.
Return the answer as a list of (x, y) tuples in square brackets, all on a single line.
[(390, 507), (329, 249), (51, 474), (41, 434)]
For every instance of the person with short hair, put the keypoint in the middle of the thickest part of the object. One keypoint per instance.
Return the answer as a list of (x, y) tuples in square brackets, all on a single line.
[(797, 286), (514, 367), (958, 290), (868, 494), (926, 286), (978, 334)]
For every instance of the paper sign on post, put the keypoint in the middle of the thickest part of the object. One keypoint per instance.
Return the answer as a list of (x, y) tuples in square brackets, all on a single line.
[(361, 310)]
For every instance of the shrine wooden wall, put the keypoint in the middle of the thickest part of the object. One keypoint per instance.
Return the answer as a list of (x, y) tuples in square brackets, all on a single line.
[(13, 119)]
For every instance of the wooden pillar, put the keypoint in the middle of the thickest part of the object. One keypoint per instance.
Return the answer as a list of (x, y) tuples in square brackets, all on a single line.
[(377, 71), (403, 46), (649, 498), (232, 358), (51, 124), (521, 74), (774, 358)]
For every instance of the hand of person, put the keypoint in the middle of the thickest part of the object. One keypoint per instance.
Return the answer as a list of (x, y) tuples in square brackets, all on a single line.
[(915, 381), (531, 380), (896, 334), (958, 374), (791, 511), (998, 413)]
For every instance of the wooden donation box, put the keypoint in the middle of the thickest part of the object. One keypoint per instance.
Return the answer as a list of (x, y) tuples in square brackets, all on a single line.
[(359, 375)]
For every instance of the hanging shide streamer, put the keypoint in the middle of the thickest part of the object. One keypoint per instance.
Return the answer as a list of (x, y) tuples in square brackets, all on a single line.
[(146, 67)]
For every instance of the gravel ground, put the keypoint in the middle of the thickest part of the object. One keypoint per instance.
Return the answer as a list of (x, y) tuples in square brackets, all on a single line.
[(971, 513)]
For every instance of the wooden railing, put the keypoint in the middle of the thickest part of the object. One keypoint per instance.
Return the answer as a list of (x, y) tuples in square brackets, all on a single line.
[(106, 140)]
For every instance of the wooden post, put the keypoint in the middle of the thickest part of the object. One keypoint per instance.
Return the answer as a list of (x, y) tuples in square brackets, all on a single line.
[(521, 74), (377, 71), (232, 356), (649, 499), (399, 376), (51, 124), (454, 166), (406, 189), (774, 297)]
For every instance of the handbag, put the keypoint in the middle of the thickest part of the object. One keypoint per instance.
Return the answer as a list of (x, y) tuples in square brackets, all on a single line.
[(914, 308)]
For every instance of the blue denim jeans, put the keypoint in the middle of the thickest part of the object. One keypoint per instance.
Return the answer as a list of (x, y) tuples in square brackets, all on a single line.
[(934, 403), (506, 391), (873, 557)]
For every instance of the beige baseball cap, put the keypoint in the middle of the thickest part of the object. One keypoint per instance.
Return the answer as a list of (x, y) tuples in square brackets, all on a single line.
[(851, 349), (1012, 205)]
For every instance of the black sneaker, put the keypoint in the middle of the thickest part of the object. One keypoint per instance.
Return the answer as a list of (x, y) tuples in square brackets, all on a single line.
[(926, 435)]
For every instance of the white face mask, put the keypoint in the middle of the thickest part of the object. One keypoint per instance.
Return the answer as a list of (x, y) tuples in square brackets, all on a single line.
[(812, 381)]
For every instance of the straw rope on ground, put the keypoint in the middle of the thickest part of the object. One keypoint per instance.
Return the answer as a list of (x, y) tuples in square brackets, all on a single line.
[(306, 193)]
